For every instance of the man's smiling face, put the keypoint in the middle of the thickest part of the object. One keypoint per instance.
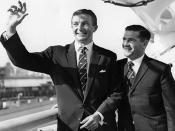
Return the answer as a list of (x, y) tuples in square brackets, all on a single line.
[(83, 28), (133, 45)]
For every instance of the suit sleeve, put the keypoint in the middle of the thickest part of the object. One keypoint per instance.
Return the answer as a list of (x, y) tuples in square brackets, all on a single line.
[(168, 94), (115, 94), (39, 62)]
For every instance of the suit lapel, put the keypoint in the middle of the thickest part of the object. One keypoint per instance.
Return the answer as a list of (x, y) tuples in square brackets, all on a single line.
[(93, 65), (72, 62), (141, 72), (71, 56)]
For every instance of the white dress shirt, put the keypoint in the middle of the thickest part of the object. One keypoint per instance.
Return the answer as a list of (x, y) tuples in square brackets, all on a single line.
[(137, 62)]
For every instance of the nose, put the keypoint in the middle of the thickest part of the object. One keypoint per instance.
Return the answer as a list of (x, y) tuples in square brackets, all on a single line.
[(125, 42), (80, 26)]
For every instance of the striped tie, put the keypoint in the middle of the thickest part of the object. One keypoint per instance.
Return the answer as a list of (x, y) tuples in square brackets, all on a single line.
[(130, 74), (82, 66)]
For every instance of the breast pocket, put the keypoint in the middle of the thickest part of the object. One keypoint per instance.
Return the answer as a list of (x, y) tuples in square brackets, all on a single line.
[(101, 74), (101, 81)]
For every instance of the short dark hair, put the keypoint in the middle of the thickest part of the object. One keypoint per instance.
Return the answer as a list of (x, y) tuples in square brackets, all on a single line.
[(144, 33), (87, 12)]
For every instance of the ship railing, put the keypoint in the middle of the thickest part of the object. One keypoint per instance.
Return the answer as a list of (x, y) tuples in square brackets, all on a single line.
[(30, 121)]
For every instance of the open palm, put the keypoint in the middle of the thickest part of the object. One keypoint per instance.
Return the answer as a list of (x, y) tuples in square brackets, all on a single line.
[(17, 14)]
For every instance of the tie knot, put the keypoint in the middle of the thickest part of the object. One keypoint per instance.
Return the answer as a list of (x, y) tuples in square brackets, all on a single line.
[(130, 64), (83, 50)]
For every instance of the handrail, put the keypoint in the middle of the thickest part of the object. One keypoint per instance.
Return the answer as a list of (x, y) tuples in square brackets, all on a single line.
[(128, 4), (29, 121)]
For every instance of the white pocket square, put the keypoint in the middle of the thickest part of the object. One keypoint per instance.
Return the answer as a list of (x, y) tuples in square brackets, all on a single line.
[(102, 71)]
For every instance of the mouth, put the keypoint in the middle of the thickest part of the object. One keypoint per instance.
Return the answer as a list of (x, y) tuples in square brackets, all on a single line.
[(81, 33), (128, 48)]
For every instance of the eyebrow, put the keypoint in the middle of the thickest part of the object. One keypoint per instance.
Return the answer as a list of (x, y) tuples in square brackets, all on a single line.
[(124, 38)]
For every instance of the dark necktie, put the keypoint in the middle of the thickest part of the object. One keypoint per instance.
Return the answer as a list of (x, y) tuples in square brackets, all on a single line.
[(82, 66), (130, 73)]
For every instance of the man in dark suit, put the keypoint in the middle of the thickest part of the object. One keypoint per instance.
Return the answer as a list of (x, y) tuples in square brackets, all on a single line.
[(82, 72), (149, 104)]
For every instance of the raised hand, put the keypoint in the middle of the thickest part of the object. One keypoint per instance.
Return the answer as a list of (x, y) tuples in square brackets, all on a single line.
[(17, 14)]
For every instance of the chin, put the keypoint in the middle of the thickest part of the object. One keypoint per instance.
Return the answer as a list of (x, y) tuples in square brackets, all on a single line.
[(81, 38), (127, 54), (81, 41)]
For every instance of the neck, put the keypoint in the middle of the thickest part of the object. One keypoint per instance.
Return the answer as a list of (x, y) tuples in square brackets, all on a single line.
[(83, 43), (132, 59)]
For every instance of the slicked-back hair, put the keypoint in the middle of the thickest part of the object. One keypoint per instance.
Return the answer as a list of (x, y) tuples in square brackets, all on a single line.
[(87, 12), (144, 34)]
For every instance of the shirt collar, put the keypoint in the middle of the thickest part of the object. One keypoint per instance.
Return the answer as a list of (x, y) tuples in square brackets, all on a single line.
[(88, 46)]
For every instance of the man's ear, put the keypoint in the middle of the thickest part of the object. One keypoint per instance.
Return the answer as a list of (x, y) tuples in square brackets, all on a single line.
[(146, 43), (95, 27)]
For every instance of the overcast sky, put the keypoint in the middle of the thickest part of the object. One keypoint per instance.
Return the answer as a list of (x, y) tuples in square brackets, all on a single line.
[(48, 23)]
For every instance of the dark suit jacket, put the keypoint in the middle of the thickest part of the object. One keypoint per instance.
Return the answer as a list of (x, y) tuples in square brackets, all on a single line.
[(150, 103), (60, 63)]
